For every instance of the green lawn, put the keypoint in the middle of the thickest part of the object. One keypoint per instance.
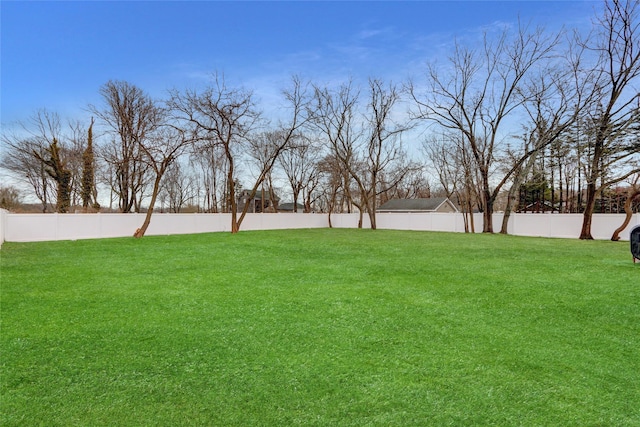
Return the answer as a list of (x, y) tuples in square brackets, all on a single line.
[(320, 327)]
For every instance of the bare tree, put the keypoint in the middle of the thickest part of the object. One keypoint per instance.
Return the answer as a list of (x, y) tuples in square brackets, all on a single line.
[(56, 167), (553, 101), (19, 160), (368, 150), (414, 183), (335, 115), (613, 156), (210, 162), (74, 145), (220, 116), (160, 150), (130, 116), (262, 151), (267, 150), (522, 170), (300, 166), (311, 193), (478, 93), (384, 153), (10, 197), (178, 187), (28, 146), (332, 176), (457, 172), (439, 152)]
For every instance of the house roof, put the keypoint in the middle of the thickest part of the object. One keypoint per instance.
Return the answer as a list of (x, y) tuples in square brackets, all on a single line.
[(259, 194), (427, 205), (289, 207)]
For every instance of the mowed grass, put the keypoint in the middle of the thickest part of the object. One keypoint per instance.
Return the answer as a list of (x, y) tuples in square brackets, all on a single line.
[(320, 327)]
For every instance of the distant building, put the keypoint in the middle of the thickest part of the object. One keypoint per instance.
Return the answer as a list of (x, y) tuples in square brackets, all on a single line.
[(539, 206), (261, 202), (288, 207), (433, 204)]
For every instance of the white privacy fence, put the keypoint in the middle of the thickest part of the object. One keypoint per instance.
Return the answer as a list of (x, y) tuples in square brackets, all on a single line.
[(538, 225), (3, 216), (43, 227)]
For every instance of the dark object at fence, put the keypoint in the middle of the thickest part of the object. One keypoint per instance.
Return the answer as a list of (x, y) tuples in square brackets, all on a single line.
[(634, 238)]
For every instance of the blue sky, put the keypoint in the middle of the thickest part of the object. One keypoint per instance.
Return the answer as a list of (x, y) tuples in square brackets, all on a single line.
[(56, 55)]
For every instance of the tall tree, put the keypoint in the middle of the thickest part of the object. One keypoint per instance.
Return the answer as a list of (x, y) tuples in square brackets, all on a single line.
[(457, 175), (178, 187), (333, 185), (89, 191), (19, 159), (220, 116), (300, 166), (160, 150), (210, 162), (335, 115), (613, 154), (75, 144), (10, 197), (553, 101), (267, 150), (478, 93), (364, 140), (414, 183), (28, 147), (57, 169), (130, 116), (384, 166)]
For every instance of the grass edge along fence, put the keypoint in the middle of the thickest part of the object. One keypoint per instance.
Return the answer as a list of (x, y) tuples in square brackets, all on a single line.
[(48, 227)]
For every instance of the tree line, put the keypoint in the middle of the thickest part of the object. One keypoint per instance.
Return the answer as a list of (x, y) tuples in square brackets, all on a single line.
[(524, 112)]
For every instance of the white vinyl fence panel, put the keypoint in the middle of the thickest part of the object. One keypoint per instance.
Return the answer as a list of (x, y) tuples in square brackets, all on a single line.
[(43, 227), (3, 219)]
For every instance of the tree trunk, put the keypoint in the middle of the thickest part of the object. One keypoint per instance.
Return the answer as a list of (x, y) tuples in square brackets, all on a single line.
[(487, 219), (64, 191), (307, 204), (232, 197), (507, 215), (295, 201), (371, 208), (372, 218), (465, 218), (629, 213), (332, 202), (469, 209), (585, 233), (514, 191), (487, 201), (147, 219), (487, 214)]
